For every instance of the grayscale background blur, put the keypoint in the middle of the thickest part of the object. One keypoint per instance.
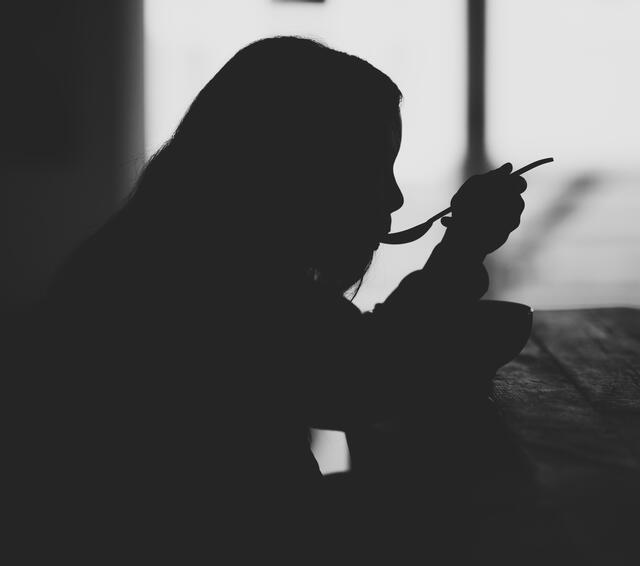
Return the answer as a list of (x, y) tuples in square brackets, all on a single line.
[(91, 88)]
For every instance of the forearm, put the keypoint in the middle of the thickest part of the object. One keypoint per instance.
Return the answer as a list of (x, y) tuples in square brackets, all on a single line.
[(453, 277), (386, 355)]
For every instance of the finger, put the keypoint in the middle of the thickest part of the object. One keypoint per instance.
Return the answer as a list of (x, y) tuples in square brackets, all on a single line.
[(510, 219), (512, 205), (505, 169), (520, 183), (509, 206), (510, 186), (502, 230), (446, 221)]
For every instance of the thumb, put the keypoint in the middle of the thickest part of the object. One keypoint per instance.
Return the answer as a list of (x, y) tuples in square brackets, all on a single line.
[(505, 169), (446, 221)]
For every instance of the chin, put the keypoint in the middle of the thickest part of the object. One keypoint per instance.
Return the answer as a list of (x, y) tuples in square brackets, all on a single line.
[(347, 267)]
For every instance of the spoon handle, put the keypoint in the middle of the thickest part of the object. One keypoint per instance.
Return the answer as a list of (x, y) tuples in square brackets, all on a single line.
[(532, 165), (517, 172), (412, 234)]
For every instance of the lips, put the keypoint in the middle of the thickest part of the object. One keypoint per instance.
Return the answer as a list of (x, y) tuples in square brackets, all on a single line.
[(386, 229)]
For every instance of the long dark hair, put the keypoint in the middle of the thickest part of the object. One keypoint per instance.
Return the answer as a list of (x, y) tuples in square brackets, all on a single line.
[(270, 169)]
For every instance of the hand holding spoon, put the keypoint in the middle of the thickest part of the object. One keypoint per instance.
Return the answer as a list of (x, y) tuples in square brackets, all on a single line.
[(412, 234)]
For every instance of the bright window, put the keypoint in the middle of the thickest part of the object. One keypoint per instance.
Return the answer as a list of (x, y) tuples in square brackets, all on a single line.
[(563, 81)]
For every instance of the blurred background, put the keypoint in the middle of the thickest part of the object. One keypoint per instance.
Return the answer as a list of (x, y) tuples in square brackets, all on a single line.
[(91, 89)]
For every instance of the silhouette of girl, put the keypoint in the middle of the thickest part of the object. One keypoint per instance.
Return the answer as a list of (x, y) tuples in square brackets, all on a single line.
[(200, 333)]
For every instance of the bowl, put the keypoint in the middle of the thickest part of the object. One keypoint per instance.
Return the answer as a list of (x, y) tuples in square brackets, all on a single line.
[(502, 329)]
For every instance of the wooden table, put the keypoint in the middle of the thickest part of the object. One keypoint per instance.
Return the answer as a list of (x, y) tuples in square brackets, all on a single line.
[(572, 399), (560, 485)]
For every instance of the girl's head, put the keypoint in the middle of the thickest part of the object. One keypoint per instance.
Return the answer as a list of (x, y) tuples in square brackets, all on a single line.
[(284, 158)]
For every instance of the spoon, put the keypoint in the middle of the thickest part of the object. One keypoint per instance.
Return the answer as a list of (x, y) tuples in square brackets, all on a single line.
[(412, 234)]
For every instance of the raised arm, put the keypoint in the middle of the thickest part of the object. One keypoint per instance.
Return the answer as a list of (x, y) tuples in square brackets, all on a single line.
[(370, 366)]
